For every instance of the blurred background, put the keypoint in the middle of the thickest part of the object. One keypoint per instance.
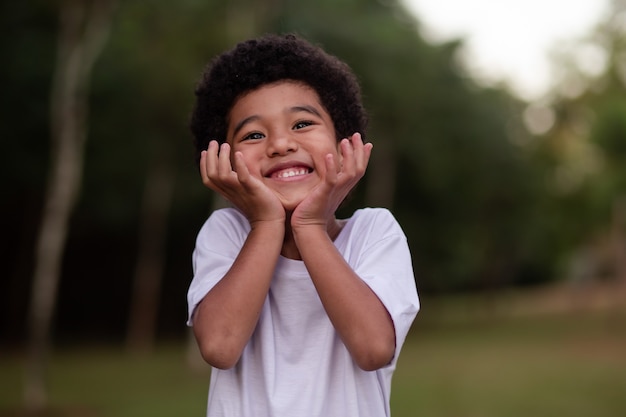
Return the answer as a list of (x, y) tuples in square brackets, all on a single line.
[(507, 176)]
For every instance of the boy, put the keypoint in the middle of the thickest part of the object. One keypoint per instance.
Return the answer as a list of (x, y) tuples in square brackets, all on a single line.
[(299, 313)]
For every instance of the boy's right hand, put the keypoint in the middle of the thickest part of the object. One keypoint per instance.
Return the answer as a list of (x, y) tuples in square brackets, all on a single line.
[(257, 202)]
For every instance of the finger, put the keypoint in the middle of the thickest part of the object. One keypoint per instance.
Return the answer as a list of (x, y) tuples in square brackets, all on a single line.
[(224, 167), (347, 152), (210, 160), (357, 140), (331, 169), (361, 152), (203, 173), (367, 148), (243, 174)]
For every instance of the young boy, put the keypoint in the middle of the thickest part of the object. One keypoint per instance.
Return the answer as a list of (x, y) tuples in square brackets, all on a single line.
[(299, 313)]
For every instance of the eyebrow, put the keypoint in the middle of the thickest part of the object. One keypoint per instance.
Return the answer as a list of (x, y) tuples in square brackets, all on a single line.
[(295, 109), (305, 108), (244, 122)]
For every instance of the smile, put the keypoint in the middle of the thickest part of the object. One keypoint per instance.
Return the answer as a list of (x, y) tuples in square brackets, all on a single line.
[(290, 172)]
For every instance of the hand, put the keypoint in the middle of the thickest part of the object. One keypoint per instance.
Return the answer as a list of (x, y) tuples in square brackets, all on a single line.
[(320, 205), (247, 193)]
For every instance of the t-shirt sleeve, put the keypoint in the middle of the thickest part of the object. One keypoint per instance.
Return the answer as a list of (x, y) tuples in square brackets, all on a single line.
[(385, 266), (217, 245)]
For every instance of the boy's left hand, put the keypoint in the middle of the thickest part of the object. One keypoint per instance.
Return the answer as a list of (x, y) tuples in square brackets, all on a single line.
[(320, 205)]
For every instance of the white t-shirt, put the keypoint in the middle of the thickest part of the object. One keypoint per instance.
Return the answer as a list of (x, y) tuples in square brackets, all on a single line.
[(295, 363)]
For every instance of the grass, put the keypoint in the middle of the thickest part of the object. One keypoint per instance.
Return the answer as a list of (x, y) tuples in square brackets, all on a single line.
[(574, 366), (101, 382), (466, 365)]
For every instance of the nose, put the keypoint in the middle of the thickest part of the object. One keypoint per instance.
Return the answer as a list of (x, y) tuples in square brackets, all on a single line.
[(281, 144)]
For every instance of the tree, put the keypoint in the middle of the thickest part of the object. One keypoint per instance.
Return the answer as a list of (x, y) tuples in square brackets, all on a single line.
[(82, 33), (585, 146), (442, 160)]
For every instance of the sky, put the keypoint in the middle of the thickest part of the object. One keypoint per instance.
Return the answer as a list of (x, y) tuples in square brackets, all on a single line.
[(509, 40)]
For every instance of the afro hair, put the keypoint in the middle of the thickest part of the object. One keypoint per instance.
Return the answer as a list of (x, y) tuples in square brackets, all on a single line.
[(270, 59)]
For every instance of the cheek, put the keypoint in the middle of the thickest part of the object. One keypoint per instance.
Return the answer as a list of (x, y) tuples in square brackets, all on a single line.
[(337, 158), (253, 164)]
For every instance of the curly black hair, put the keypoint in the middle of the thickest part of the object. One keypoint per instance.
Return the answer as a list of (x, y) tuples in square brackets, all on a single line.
[(269, 59)]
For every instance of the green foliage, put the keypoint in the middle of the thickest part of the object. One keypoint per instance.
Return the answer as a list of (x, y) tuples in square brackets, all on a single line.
[(477, 207), (609, 131), (583, 155)]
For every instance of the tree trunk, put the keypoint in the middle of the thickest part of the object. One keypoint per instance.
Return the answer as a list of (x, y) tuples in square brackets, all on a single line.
[(151, 260), (82, 34)]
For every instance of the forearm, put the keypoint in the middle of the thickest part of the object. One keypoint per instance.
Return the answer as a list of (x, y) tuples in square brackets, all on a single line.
[(228, 314), (359, 317)]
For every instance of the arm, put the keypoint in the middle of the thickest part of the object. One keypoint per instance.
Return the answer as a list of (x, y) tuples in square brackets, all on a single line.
[(360, 318), (226, 317), (357, 314)]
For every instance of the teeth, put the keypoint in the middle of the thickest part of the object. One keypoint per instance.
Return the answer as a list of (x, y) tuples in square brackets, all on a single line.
[(292, 172)]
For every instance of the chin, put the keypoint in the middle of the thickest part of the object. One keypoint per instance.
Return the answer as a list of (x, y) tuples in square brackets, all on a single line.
[(292, 199), (290, 206)]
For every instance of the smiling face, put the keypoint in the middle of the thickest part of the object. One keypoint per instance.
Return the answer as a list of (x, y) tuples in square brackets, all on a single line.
[(284, 134)]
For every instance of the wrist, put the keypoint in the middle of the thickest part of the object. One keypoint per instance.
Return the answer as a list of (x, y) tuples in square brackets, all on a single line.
[(311, 232), (268, 224)]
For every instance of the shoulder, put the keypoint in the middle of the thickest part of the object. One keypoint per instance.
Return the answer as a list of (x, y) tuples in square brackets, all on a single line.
[(373, 212), (224, 224), (369, 229), (227, 217), (375, 220)]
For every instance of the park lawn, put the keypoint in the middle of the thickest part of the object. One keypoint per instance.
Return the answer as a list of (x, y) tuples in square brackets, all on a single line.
[(552, 365), (571, 366), (106, 381)]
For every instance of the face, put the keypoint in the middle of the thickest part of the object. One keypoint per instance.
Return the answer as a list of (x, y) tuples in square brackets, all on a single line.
[(284, 134)]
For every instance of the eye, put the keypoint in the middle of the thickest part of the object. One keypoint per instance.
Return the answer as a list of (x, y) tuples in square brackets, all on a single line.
[(253, 136), (302, 124)]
